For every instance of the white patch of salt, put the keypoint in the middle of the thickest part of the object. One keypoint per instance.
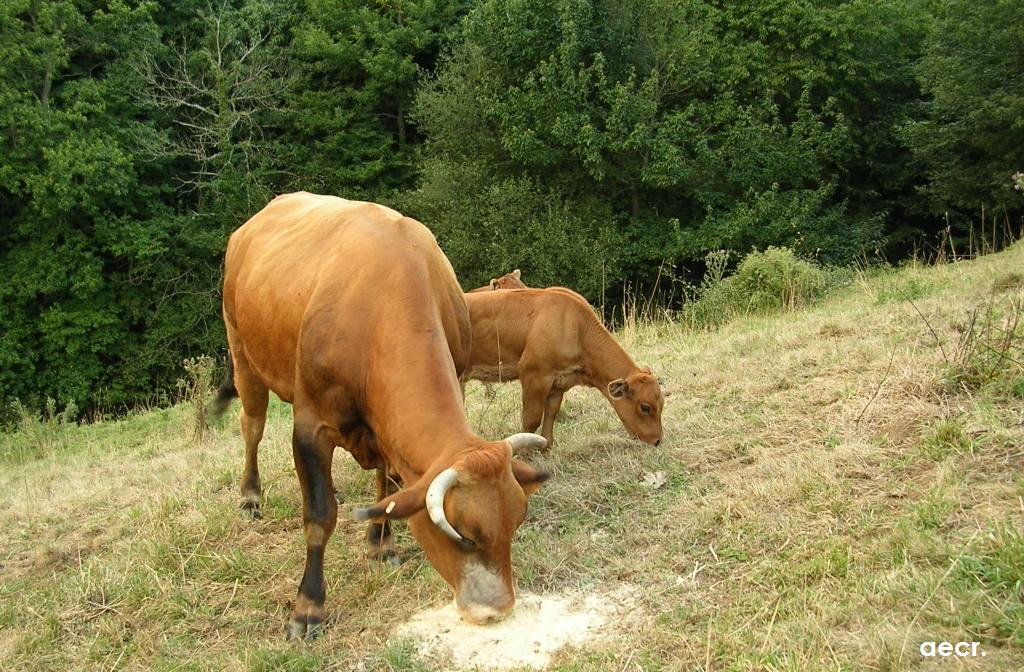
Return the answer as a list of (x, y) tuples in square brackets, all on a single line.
[(536, 629)]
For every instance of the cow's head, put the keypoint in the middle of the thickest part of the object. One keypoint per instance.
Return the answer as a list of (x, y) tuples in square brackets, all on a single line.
[(508, 281), (638, 401), (465, 516)]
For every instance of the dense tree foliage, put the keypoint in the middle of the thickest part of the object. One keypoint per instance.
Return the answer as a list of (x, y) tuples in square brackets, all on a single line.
[(135, 136), (971, 137), (676, 126), (588, 142)]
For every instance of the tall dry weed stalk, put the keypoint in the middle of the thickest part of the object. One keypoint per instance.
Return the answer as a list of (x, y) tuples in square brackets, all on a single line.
[(196, 389)]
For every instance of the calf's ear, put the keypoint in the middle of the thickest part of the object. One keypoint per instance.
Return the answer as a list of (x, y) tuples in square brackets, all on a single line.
[(517, 274), (494, 284), (528, 478), (399, 505), (618, 389)]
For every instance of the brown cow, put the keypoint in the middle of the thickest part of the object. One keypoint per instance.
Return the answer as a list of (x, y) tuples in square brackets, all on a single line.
[(508, 281), (551, 341), (351, 312)]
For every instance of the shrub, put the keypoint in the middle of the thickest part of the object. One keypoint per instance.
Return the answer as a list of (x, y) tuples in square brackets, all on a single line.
[(777, 279), (772, 280), (37, 434)]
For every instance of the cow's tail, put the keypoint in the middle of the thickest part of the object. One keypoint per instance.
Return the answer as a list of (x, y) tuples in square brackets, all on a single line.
[(226, 392)]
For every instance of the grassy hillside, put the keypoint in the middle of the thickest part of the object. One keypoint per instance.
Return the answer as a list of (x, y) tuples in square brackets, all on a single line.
[(840, 484)]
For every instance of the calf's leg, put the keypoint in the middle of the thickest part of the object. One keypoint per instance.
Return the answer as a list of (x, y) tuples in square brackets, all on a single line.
[(551, 407), (535, 393), (381, 546)]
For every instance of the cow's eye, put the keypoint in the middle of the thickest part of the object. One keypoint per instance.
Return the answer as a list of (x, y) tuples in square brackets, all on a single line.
[(645, 409), (467, 544)]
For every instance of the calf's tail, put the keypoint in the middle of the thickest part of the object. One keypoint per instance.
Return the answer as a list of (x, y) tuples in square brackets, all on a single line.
[(227, 391)]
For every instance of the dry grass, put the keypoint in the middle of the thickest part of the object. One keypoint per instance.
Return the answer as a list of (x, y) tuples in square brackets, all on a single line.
[(828, 503)]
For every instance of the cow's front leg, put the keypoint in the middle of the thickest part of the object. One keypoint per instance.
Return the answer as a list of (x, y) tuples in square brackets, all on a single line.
[(551, 407), (319, 514), (536, 389), (381, 546)]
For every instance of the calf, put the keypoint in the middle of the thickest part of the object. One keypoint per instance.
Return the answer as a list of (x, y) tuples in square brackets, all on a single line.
[(551, 340)]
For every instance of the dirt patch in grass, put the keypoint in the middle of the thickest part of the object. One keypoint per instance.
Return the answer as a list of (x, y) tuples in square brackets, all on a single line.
[(537, 629)]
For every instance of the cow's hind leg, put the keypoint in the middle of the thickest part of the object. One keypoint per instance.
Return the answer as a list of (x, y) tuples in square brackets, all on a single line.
[(255, 397), (313, 455), (381, 545)]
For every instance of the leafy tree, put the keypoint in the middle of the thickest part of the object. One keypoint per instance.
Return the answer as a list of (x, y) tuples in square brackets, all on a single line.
[(69, 182), (973, 128), (134, 136), (357, 65), (697, 125)]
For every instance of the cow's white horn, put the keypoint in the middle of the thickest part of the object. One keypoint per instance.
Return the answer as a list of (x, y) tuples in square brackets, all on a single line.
[(439, 487), (527, 441)]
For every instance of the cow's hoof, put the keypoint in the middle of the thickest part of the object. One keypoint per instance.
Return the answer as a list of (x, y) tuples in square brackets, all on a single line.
[(306, 628), (251, 511)]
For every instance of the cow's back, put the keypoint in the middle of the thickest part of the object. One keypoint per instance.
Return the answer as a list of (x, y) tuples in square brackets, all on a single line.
[(350, 269), (546, 323)]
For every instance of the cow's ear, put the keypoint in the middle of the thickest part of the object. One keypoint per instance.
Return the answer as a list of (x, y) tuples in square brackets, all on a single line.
[(517, 274), (528, 478), (494, 284), (646, 369), (618, 389), (399, 505)]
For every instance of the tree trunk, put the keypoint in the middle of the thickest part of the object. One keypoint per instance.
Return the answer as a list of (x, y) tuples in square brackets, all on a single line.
[(44, 95)]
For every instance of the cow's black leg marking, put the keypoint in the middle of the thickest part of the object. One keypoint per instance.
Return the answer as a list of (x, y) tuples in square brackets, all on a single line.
[(320, 513)]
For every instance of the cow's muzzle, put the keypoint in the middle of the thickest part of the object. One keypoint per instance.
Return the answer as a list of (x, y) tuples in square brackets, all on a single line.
[(482, 614), (483, 597)]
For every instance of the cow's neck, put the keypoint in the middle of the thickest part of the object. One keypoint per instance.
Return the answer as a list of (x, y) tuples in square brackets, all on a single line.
[(422, 425), (605, 360)]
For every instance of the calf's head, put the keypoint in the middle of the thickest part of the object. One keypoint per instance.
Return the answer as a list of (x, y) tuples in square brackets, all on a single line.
[(638, 401), (465, 516), (508, 281)]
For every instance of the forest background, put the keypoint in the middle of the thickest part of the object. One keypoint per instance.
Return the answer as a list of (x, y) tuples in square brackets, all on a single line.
[(606, 145)]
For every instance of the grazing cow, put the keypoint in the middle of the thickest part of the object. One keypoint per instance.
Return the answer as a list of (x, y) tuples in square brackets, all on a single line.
[(507, 281), (551, 341), (351, 312)]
